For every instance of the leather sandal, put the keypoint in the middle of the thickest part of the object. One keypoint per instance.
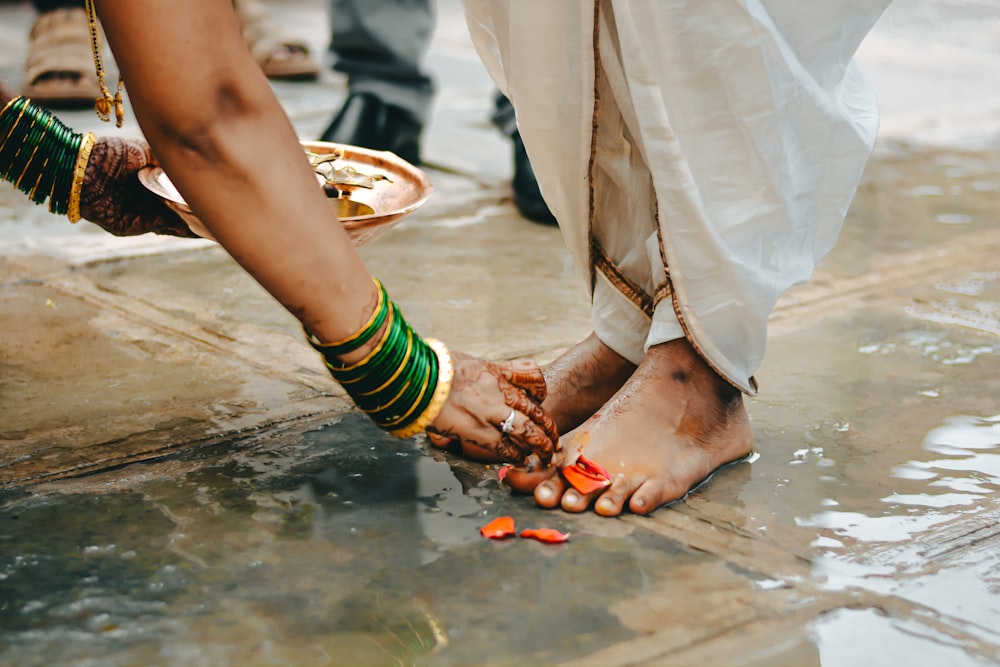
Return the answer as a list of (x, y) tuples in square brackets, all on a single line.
[(279, 56), (60, 67)]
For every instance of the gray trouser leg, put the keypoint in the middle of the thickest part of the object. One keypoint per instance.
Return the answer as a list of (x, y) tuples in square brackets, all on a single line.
[(379, 45)]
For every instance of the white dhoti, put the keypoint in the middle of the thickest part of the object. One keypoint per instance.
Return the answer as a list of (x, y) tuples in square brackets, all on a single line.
[(699, 155)]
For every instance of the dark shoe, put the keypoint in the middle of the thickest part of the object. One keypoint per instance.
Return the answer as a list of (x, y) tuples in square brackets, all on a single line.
[(366, 121), (527, 196)]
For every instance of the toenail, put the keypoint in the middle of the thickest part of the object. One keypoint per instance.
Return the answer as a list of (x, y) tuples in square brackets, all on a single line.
[(572, 497), (606, 504), (640, 502), (545, 493)]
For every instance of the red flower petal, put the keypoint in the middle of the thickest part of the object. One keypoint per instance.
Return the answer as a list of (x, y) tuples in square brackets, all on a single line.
[(502, 473), (547, 535), (586, 476), (499, 528), (592, 467)]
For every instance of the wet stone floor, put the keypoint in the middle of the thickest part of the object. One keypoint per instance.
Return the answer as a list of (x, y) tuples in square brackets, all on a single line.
[(343, 547), (186, 488)]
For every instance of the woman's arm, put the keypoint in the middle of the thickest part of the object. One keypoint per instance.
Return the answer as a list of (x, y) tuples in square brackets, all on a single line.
[(219, 132)]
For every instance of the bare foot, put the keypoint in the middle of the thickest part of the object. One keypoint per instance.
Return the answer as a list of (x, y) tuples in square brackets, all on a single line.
[(581, 380), (668, 428)]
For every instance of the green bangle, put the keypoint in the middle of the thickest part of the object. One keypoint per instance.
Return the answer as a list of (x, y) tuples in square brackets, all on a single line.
[(12, 143), (38, 154), (63, 183), (402, 396), (26, 170), (442, 389), (399, 361), (337, 348), (399, 381)]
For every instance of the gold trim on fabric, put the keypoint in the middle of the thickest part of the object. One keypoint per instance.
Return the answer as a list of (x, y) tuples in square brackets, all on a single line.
[(619, 280), (593, 140), (664, 290), (680, 316), (599, 260)]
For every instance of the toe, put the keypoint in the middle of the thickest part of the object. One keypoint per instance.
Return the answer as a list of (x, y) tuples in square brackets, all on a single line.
[(526, 480), (651, 495), (612, 501), (574, 501), (549, 493)]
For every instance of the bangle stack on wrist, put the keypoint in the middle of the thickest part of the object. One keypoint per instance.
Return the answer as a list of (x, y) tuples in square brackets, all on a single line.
[(403, 383), (43, 158)]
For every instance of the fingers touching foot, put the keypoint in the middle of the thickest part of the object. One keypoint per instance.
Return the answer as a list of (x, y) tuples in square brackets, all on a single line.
[(655, 455)]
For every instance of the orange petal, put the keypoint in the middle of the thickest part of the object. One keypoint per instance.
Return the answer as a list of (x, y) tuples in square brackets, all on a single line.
[(592, 467), (499, 528), (547, 535), (586, 476)]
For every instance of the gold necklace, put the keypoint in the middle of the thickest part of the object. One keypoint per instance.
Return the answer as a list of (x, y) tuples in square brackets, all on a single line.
[(105, 102)]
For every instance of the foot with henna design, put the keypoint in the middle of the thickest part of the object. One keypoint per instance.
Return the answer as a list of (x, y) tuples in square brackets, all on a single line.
[(668, 427)]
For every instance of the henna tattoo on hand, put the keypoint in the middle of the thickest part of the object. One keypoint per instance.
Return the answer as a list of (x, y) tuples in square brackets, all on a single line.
[(534, 412), (114, 199), (478, 389), (537, 439), (525, 375), (507, 450)]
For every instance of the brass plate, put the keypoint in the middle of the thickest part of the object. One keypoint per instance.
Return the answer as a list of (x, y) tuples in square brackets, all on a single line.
[(365, 213)]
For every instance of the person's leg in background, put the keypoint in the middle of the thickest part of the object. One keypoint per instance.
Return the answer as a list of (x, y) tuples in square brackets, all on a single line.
[(527, 196), (280, 55), (380, 45), (60, 64)]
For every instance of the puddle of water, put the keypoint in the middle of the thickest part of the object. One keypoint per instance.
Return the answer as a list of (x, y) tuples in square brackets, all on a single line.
[(857, 638), (937, 346), (966, 476), (935, 541), (348, 547)]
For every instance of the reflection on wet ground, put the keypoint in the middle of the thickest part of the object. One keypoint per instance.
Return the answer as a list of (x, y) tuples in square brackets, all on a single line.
[(934, 539), (869, 637), (345, 547)]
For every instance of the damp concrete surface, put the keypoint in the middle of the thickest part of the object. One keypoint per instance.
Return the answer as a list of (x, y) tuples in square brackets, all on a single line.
[(182, 484)]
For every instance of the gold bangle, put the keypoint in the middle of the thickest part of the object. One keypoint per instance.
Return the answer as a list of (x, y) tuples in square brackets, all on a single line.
[(34, 151), (402, 365), (31, 195), (387, 425), (446, 374), (20, 148), (10, 103), (371, 320), (79, 172), (16, 122), (368, 357)]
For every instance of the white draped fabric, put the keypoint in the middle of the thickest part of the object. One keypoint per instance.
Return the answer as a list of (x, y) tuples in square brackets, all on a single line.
[(723, 139)]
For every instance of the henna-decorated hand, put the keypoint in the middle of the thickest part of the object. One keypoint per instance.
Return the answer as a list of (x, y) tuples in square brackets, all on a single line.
[(483, 394), (114, 199)]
